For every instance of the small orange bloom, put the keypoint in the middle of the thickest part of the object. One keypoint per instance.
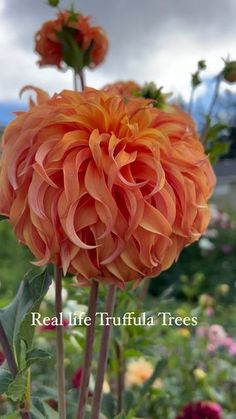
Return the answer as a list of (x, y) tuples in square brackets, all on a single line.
[(103, 187), (48, 43), (125, 89)]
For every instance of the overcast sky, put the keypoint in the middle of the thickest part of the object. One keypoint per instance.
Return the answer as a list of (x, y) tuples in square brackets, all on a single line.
[(159, 40)]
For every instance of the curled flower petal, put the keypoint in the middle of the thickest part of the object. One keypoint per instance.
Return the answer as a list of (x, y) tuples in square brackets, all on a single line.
[(104, 187)]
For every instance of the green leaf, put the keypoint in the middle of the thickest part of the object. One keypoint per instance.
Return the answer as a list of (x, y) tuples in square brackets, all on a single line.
[(108, 406), (36, 355), (195, 79), (216, 150), (5, 380), (120, 416), (72, 54), (16, 318), (16, 389), (14, 415), (201, 65), (53, 3), (215, 130), (41, 410), (3, 217)]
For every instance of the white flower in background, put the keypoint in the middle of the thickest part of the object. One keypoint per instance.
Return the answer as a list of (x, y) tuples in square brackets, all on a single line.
[(76, 309), (50, 296), (205, 244), (211, 233)]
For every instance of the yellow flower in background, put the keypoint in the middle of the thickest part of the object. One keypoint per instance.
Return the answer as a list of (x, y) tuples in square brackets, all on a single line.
[(184, 332), (199, 374), (138, 372)]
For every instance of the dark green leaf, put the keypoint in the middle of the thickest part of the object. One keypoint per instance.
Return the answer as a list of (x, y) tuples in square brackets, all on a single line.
[(201, 65), (72, 54), (195, 79), (108, 406), (16, 318), (16, 389), (36, 355), (5, 380), (53, 3), (3, 217)]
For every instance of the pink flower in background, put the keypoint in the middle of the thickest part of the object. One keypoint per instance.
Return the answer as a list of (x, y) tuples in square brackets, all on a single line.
[(226, 249), (52, 326), (77, 378), (2, 358), (217, 337), (201, 410)]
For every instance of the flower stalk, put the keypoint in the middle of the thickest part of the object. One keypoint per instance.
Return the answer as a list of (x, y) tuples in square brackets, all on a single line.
[(60, 345), (90, 334), (103, 353)]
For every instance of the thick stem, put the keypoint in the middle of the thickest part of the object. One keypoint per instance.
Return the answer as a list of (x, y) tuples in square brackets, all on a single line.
[(144, 289), (103, 353), (60, 346), (90, 333), (210, 111), (75, 81), (24, 412), (120, 377), (82, 81)]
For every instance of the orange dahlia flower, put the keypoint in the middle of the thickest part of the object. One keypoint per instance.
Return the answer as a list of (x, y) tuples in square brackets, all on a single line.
[(104, 187), (92, 39), (125, 89)]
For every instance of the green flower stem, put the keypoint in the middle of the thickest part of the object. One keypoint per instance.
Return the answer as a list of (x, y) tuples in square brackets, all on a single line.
[(24, 408), (103, 354), (60, 345), (90, 333), (211, 108)]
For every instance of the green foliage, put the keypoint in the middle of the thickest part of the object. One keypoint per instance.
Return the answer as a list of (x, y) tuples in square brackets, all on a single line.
[(16, 317), (229, 71), (53, 3), (14, 262), (151, 91), (196, 77)]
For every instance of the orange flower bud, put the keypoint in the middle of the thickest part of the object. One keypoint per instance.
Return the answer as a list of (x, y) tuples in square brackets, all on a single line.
[(90, 40), (103, 187)]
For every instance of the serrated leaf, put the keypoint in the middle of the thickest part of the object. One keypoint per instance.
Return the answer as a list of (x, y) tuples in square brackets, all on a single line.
[(5, 380), (16, 318), (16, 389), (36, 355)]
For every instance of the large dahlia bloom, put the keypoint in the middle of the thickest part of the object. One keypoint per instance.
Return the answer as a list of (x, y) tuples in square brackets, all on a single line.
[(201, 410), (48, 42), (103, 187), (125, 89)]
